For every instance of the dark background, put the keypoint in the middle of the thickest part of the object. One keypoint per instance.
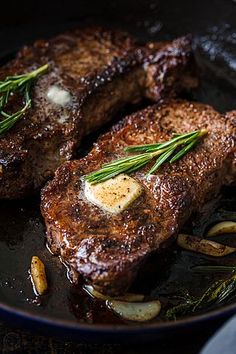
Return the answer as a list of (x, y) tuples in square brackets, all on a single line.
[(211, 21), (21, 21)]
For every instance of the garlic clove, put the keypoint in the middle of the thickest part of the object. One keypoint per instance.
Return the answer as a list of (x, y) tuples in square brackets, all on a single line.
[(135, 311), (224, 227), (200, 245)]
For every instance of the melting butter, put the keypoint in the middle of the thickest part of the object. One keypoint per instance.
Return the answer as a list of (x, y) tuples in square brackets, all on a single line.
[(58, 96), (115, 194)]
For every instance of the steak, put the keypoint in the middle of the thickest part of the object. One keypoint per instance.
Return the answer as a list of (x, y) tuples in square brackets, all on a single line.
[(108, 249), (100, 71)]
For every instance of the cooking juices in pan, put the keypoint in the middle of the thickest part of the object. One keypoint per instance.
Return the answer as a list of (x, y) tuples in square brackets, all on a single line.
[(167, 277), (170, 277)]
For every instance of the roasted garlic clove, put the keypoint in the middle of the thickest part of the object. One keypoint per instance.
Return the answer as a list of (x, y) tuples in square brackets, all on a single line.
[(200, 245), (135, 311), (38, 276), (224, 227), (127, 297)]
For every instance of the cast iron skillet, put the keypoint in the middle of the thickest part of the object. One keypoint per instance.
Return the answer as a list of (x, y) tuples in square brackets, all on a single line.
[(66, 310)]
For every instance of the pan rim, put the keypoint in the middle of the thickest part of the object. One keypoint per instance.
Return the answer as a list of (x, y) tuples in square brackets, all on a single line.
[(117, 328)]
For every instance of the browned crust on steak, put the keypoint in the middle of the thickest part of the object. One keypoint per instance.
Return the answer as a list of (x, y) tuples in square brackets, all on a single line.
[(103, 70), (108, 249)]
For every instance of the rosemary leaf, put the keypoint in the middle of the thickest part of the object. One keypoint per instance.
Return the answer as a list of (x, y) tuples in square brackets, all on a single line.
[(209, 295), (145, 148), (8, 122), (163, 158), (20, 84), (155, 147), (226, 289), (180, 310), (162, 152), (217, 293), (214, 268), (183, 151), (110, 170)]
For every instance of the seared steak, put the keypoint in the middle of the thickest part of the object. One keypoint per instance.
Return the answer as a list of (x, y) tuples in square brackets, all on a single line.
[(108, 249), (99, 71)]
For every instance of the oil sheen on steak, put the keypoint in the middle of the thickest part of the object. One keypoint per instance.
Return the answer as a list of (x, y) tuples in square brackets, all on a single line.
[(102, 71), (109, 249)]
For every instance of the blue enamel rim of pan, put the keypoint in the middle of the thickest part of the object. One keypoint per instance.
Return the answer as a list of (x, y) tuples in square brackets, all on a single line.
[(70, 329)]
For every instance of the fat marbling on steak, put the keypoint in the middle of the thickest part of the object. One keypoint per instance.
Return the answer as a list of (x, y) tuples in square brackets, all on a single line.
[(107, 249), (101, 71)]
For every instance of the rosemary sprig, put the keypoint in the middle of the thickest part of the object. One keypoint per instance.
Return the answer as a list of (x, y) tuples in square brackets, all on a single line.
[(180, 310), (169, 151), (214, 268), (217, 293), (20, 84)]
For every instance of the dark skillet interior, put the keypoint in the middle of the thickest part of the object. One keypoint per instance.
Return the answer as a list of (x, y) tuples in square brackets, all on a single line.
[(21, 225)]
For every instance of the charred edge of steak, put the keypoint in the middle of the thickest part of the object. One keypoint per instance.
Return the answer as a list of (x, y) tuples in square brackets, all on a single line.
[(171, 70)]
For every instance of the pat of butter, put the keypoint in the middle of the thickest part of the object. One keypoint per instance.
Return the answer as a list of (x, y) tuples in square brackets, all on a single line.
[(115, 194), (58, 96)]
